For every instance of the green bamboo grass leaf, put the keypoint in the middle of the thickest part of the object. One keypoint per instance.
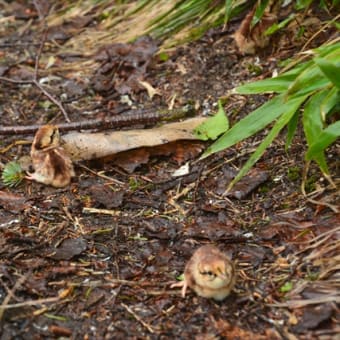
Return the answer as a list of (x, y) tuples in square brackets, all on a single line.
[(233, 7), (311, 118), (320, 159), (330, 101), (228, 8), (313, 126), (308, 81), (301, 4), (214, 126), (312, 78), (289, 110), (291, 128), (277, 26), (325, 50), (324, 139), (330, 70), (254, 122), (179, 16), (278, 84), (260, 8)]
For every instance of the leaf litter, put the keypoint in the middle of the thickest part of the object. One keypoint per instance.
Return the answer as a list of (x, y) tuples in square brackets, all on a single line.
[(106, 273)]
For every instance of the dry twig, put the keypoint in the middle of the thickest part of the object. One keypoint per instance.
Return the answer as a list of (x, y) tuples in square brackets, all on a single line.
[(146, 325)]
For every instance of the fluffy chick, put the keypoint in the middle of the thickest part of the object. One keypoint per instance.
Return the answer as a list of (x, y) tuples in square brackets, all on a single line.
[(52, 166), (210, 273)]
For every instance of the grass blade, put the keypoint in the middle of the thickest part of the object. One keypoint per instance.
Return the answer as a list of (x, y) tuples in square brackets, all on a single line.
[(324, 139), (330, 70), (330, 101), (291, 128), (290, 108), (254, 122), (214, 126)]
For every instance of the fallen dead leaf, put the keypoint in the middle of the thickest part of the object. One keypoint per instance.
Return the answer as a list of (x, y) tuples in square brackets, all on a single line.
[(123, 66), (86, 146), (13, 202), (69, 248), (104, 196), (313, 316)]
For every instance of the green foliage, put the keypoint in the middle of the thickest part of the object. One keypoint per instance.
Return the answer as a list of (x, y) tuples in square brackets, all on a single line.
[(199, 14), (259, 11), (287, 287), (214, 126), (275, 27), (12, 174), (312, 85)]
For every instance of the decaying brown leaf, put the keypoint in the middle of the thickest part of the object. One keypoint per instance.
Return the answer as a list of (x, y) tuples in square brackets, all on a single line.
[(86, 146), (123, 66), (13, 202), (69, 248), (106, 197)]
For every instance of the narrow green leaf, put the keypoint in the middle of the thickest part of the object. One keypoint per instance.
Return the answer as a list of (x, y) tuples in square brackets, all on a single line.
[(313, 127), (311, 118), (329, 102), (292, 125), (310, 80), (324, 139), (259, 12), (320, 159), (275, 27), (228, 8), (278, 84), (254, 122), (330, 70), (301, 4), (214, 126), (326, 50), (289, 110)]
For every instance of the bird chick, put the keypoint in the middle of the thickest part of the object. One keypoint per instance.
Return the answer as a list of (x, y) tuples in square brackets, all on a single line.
[(52, 166), (210, 273)]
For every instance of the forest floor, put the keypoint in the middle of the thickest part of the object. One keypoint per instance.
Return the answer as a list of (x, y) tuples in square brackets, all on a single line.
[(95, 260)]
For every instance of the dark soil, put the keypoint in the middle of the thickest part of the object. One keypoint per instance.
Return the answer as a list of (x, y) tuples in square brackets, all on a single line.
[(96, 260)]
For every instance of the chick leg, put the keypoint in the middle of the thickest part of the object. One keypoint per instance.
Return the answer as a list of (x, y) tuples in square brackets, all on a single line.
[(182, 284)]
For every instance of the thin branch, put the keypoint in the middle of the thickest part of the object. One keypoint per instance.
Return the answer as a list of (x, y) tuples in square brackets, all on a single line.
[(138, 318), (11, 292), (52, 99), (130, 118), (35, 80), (29, 303)]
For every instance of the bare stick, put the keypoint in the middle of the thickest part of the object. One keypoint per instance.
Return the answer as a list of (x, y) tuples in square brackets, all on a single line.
[(11, 292), (146, 325), (29, 303), (35, 80), (130, 117)]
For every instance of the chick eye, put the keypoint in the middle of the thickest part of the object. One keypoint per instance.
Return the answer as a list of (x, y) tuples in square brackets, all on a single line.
[(209, 273)]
